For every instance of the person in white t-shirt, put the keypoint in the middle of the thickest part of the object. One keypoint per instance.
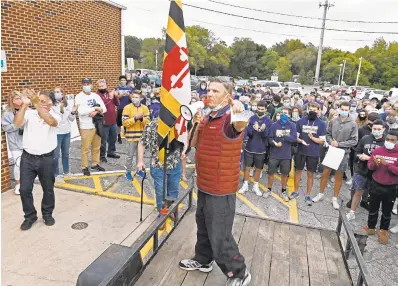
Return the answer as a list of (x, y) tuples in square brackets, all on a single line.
[(89, 104), (39, 142)]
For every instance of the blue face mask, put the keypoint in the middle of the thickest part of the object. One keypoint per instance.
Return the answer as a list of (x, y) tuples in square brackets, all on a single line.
[(343, 113), (219, 106), (284, 119)]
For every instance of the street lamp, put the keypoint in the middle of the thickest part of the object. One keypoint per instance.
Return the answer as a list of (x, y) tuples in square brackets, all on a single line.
[(338, 82)]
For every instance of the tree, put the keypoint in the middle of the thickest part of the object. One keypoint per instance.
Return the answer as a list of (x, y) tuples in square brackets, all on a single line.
[(244, 57), (148, 53), (283, 69), (310, 76), (302, 59), (268, 64), (132, 47)]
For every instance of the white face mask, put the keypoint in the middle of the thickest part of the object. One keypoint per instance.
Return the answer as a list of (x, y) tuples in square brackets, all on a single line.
[(87, 88), (389, 145), (219, 106)]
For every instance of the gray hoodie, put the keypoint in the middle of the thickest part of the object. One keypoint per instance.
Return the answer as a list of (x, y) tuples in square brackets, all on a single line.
[(14, 140), (344, 132)]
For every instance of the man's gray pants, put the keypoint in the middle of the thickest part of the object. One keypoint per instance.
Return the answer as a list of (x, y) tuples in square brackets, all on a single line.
[(132, 151), (215, 218)]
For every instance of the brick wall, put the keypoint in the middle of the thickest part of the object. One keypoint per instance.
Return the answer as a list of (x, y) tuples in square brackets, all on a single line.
[(57, 43)]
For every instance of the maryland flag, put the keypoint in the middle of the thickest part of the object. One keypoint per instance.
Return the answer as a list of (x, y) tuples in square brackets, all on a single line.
[(176, 83)]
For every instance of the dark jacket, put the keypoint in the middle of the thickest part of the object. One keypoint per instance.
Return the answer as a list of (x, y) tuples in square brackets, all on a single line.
[(98, 121), (366, 146)]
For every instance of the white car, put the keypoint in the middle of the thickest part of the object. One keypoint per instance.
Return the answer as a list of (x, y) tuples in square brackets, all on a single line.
[(393, 93), (294, 87), (374, 94), (275, 86)]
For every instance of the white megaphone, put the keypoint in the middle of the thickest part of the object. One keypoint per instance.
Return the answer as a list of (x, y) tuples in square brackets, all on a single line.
[(188, 111)]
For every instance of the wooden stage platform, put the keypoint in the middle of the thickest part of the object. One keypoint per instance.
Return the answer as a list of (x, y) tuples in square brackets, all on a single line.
[(276, 254)]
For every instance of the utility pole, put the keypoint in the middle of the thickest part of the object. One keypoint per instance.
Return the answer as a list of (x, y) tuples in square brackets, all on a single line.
[(156, 59), (342, 75), (326, 6), (338, 81), (359, 71)]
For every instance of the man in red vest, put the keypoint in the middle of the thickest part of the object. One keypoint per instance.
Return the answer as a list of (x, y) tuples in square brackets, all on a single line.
[(218, 144)]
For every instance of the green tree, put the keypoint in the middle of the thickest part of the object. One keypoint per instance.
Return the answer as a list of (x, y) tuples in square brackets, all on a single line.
[(302, 77), (302, 59), (244, 57), (268, 64), (132, 47), (310, 76), (283, 69)]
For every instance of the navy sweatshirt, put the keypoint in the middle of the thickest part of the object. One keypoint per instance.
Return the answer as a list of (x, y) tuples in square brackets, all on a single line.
[(257, 141), (286, 134)]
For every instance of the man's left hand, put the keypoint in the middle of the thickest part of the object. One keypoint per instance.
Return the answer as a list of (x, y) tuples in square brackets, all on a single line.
[(236, 106)]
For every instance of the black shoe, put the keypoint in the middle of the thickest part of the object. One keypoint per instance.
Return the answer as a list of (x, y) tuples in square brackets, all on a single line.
[(27, 223), (97, 168), (348, 205), (86, 172), (49, 220), (364, 205), (104, 160), (114, 156)]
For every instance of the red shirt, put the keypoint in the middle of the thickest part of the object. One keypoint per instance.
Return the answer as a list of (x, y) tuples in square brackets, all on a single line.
[(385, 175), (111, 104)]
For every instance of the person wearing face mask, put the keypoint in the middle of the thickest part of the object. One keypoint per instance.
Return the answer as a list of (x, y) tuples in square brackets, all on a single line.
[(366, 129), (362, 175), (342, 132), (135, 117), (311, 132), (155, 104), (87, 102), (111, 101), (202, 88), (296, 114), (362, 118), (286, 102), (218, 144), (67, 112), (39, 143), (123, 92), (256, 146), (281, 137), (384, 186), (392, 120), (137, 80), (13, 134)]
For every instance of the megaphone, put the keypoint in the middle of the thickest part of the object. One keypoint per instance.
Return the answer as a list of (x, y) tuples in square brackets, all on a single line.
[(188, 111)]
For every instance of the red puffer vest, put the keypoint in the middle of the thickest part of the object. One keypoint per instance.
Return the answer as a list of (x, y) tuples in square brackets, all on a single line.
[(217, 157)]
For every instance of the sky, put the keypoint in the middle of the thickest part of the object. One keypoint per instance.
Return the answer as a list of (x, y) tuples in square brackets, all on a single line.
[(146, 18)]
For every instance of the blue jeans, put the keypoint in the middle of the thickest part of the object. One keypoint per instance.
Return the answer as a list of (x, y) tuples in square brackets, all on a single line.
[(172, 183), (110, 137), (63, 146)]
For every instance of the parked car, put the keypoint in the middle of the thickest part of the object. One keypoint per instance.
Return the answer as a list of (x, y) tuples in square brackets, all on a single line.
[(151, 74), (294, 87), (275, 86), (326, 87), (374, 95), (195, 82)]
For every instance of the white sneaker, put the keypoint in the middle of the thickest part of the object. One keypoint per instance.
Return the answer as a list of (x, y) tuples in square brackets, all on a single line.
[(266, 193), (68, 175), (251, 172), (332, 179), (257, 190), (394, 229), (335, 203), (16, 190), (59, 179), (350, 215), (349, 182), (284, 196), (244, 188), (394, 209), (318, 198)]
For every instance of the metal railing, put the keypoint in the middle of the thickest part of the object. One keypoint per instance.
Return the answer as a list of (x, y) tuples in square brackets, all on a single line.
[(356, 243)]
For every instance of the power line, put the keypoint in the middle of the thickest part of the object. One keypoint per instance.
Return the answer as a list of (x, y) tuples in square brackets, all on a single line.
[(265, 32), (287, 24), (303, 17)]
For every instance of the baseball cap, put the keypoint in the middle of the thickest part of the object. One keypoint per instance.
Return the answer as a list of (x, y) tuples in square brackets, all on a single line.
[(86, 80)]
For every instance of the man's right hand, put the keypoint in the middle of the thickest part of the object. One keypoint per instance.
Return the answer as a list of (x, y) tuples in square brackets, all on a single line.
[(140, 166), (139, 115), (198, 118)]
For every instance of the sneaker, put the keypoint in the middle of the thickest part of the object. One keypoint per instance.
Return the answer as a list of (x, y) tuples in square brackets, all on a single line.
[(49, 220), (350, 215), (294, 195), (27, 223), (348, 205), (332, 179), (266, 193), (59, 179), (369, 231), (383, 236), (284, 196), (97, 168), (318, 176), (240, 281), (190, 264), (318, 198), (68, 175), (128, 176), (257, 190), (114, 156), (244, 188), (189, 161), (394, 229), (335, 203), (349, 182), (308, 200), (86, 172), (104, 160), (16, 190), (394, 209)]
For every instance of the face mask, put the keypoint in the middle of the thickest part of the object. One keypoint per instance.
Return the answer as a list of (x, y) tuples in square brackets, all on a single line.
[(389, 145), (123, 83), (312, 115), (343, 113), (391, 120), (87, 88), (254, 108), (135, 101), (219, 106), (278, 118), (284, 118), (144, 90), (102, 90), (377, 133), (202, 86), (17, 102), (260, 113), (286, 104), (362, 118), (58, 95)]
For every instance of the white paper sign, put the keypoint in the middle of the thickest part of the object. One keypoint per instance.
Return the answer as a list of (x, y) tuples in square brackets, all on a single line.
[(130, 64), (3, 61), (242, 116), (333, 157)]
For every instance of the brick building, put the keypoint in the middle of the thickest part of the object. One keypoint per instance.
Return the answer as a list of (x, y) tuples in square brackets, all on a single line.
[(57, 43)]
